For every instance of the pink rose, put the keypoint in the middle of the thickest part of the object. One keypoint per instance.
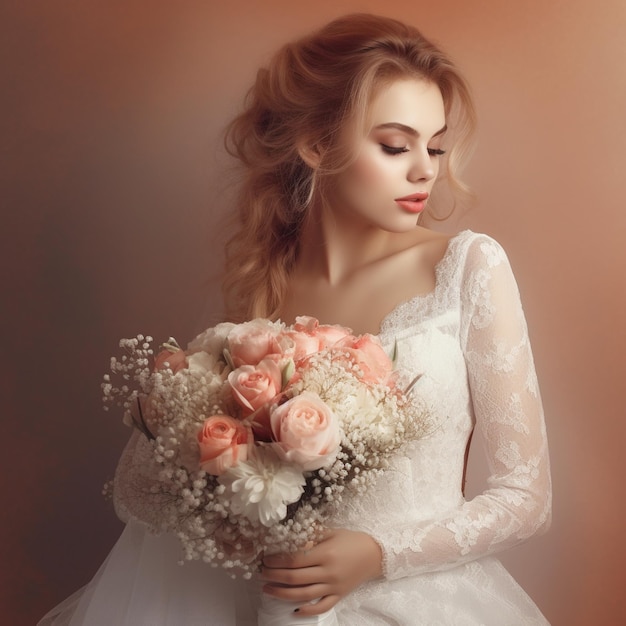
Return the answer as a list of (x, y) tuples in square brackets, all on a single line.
[(175, 359), (256, 385), (367, 352), (251, 342), (305, 343), (330, 335), (326, 334), (306, 431), (223, 442)]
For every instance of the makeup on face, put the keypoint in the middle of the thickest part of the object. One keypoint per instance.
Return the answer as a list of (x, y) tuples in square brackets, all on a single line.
[(397, 162)]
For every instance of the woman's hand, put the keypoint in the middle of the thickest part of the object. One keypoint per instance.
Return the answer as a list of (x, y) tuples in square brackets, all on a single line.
[(342, 561)]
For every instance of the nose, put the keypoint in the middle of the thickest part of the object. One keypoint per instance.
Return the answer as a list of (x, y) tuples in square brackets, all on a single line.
[(423, 167)]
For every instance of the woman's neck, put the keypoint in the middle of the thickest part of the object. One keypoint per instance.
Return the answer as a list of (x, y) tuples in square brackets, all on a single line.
[(334, 248)]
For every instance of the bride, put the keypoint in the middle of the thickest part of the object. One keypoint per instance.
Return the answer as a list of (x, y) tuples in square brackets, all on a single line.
[(345, 140)]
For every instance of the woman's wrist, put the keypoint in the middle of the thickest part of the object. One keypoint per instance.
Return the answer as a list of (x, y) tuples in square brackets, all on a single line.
[(373, 561)]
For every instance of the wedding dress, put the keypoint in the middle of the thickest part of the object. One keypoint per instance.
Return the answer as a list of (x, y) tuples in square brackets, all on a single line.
[(468, 341)]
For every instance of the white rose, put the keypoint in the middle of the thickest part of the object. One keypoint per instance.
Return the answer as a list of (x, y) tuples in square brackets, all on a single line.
[(201, 363), (212, 340)]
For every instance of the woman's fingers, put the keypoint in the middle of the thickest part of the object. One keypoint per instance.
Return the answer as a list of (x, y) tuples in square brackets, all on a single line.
[(307, 593), (341, 562), (292, 577), (293, 560)]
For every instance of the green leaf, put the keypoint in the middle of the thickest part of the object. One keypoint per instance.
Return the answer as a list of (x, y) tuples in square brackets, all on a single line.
[(288, 372), (394, 355), (229, 359)]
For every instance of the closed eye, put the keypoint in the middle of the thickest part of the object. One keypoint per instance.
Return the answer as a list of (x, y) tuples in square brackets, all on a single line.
[(436, 152), (391, 150)]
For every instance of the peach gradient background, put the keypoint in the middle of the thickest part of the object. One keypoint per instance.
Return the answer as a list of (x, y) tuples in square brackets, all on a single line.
[(112, 182)]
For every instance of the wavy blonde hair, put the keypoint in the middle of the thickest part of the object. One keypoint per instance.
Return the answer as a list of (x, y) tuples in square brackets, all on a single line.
[(299, 104)]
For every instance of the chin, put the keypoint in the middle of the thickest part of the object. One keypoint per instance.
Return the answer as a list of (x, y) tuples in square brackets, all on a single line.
[(400, 229)]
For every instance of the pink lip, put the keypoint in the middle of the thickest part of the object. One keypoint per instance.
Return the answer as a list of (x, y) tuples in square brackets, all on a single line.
[(414, 203)]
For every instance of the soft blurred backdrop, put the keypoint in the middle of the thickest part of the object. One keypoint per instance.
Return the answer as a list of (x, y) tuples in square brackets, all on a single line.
[(113, 182)]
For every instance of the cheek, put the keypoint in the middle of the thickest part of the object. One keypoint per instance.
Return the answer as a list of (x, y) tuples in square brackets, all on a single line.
[(367, 173)]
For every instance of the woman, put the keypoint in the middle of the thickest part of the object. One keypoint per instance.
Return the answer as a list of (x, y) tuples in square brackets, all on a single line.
[(345, 141)]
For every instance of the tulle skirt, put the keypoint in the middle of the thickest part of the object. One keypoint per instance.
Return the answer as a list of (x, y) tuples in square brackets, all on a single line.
[(141, 584)]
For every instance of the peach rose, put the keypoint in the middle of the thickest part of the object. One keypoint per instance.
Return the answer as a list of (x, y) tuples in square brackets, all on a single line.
[(306, 431), (256, 385), (326, 334), (223, 442), (176, 360), (251, 342), (368, 353), (305, 343)]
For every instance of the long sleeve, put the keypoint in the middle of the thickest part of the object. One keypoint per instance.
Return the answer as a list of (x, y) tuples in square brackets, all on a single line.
[(506, 406)]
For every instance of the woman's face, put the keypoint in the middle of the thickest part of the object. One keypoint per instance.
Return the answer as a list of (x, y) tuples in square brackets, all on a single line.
[(396, 163)]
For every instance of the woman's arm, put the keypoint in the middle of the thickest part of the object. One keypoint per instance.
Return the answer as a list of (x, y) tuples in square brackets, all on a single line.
[(507, 407)]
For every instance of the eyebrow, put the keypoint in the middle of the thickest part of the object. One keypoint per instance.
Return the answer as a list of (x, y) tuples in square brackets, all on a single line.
[(408, 130)]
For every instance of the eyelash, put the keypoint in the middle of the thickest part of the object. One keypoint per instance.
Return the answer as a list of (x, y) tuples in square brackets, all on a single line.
[(395, 151), (391, 150)]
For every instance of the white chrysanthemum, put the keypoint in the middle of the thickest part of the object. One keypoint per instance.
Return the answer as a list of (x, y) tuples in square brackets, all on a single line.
[(262, 487)]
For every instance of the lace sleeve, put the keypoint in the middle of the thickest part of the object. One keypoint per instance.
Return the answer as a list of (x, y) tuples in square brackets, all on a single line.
[(507, 407)]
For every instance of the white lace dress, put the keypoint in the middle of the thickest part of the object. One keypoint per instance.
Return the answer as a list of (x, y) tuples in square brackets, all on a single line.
[(468, 339)]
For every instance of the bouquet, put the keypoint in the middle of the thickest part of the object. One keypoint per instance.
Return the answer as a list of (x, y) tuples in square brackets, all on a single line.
[(258, 431)]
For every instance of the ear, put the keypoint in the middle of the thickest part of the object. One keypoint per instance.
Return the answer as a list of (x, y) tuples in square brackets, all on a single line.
[(310, 155)]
